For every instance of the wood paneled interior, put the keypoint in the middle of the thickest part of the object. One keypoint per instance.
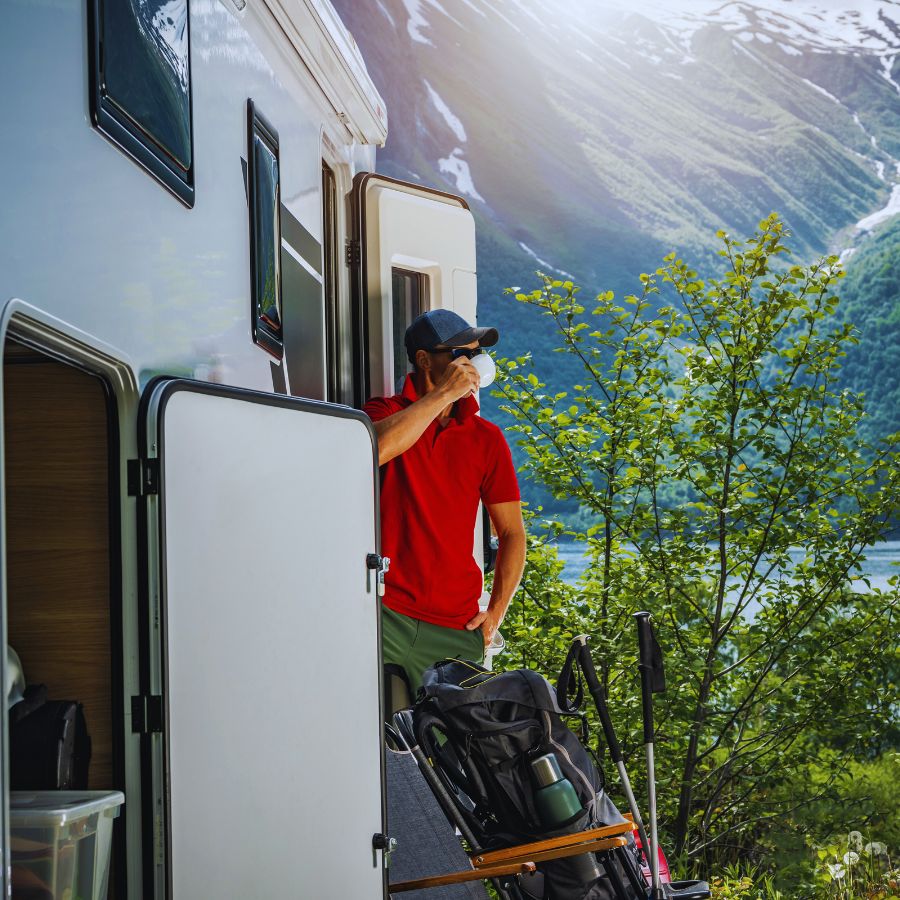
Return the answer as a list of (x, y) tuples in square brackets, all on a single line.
[(57, 526)]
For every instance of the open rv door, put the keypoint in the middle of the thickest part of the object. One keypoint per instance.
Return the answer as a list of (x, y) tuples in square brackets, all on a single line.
[(413, 250), (261, 677)]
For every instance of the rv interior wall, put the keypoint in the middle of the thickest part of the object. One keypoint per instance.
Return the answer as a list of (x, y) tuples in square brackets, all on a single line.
[(58, 537)]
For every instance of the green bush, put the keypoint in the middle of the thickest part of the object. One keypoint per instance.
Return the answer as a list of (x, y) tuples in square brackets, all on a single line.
[(706, 439)]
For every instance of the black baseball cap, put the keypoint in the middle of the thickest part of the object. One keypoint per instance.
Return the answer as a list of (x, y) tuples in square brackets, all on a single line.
[(443, 329)]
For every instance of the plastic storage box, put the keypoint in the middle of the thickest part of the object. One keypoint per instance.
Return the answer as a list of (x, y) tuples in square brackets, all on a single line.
[(60, 843)]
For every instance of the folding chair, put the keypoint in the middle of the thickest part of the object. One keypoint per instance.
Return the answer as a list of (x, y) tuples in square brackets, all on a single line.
[(511, 870)]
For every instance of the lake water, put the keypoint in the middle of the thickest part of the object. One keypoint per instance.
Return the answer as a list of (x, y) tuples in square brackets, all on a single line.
[(882, 562)]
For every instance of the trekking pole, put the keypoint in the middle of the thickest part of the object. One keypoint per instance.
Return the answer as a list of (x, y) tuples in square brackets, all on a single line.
[(615, 752), (652, 681)]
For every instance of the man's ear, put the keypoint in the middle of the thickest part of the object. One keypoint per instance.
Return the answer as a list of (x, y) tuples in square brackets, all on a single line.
[(423, 360)]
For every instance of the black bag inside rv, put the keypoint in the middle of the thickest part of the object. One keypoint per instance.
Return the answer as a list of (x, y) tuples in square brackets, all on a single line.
[(495, 725), (49, 745)]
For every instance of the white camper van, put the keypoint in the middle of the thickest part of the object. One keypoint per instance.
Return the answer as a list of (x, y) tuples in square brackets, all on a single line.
[(200, 282)]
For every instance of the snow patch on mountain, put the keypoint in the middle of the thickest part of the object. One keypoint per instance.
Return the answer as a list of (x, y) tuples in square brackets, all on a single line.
[(417, 20), (475, 9), (742, 48), (434, 4), (386, 13), (453, 122), (869, 25), (887, 66), (824, 93), (877, 218), (458, 169), (892, 209), (872, 139), (544, 263), (502, 16)]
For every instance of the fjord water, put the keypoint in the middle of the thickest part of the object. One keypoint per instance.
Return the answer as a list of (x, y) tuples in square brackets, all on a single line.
[(881, 563)]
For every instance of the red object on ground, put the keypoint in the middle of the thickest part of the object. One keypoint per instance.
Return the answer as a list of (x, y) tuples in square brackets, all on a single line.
[(664, 875)]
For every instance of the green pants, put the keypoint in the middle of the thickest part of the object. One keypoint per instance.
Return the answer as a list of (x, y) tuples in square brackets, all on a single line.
[(415, 645)]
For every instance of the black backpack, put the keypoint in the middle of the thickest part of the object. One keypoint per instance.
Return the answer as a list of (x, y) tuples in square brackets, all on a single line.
[(49, 745), (482, 730)]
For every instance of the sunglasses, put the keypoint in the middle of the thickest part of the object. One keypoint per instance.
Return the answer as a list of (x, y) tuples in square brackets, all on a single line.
[(457, 352)]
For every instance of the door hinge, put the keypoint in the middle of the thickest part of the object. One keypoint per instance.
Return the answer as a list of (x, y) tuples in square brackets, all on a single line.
[(147, 714), (352, 253), (143, 477)]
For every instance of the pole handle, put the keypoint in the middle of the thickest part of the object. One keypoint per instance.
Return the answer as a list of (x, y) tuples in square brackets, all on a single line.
[(646, 668), (644, 623)]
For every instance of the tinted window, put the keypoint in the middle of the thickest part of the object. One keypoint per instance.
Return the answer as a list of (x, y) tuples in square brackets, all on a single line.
[(408, 301), (141, 93), (265, 233)]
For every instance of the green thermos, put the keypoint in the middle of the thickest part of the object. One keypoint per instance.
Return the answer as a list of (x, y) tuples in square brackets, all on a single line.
[(557, 802), (555, 798)]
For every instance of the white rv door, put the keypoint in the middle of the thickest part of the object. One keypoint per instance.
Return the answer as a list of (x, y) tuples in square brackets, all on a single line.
[(416, 251), (260, 695)]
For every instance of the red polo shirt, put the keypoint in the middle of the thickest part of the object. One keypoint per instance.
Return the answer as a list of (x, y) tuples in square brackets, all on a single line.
[(429, 500)]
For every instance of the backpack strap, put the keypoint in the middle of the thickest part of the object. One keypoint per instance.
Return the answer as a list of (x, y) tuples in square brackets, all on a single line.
[(569, 680)]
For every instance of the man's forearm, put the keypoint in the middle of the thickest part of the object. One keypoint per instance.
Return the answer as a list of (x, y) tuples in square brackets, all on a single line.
[(507, 573), (397, 433)]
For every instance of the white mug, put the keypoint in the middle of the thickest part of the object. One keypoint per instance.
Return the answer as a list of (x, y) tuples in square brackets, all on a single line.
[(486, 368)]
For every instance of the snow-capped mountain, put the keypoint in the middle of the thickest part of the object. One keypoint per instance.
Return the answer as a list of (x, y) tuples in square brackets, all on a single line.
[(593, 136), (798, 25), (670, 122)]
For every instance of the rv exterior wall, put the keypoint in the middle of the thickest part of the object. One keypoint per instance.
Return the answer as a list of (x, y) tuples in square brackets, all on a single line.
[(101, 265), (89, 236)]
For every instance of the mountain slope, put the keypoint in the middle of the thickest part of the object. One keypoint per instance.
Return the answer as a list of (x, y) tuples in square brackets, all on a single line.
[(869, 296), (592, 141), (584, 138)]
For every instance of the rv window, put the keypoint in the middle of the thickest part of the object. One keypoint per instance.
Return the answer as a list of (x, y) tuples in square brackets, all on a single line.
[(265, 233), (329, 247), (408, 294), (141, 85)]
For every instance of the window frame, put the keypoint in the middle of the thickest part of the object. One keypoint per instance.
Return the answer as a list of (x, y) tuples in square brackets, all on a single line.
[(114, 122), (422, 283), (264, 335), (331, 284)]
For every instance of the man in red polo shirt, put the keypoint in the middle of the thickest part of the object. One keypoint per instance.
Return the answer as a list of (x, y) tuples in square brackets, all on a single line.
[(439, 461)]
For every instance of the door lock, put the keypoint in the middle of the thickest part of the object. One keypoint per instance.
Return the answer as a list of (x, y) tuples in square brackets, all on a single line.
[(386, 844), (380, 565)]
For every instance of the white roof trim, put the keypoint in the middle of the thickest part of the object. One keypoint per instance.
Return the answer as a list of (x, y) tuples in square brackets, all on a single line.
[(329, 52)]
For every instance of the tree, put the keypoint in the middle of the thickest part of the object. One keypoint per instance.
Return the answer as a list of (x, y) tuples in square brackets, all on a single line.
[(726, 488)]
